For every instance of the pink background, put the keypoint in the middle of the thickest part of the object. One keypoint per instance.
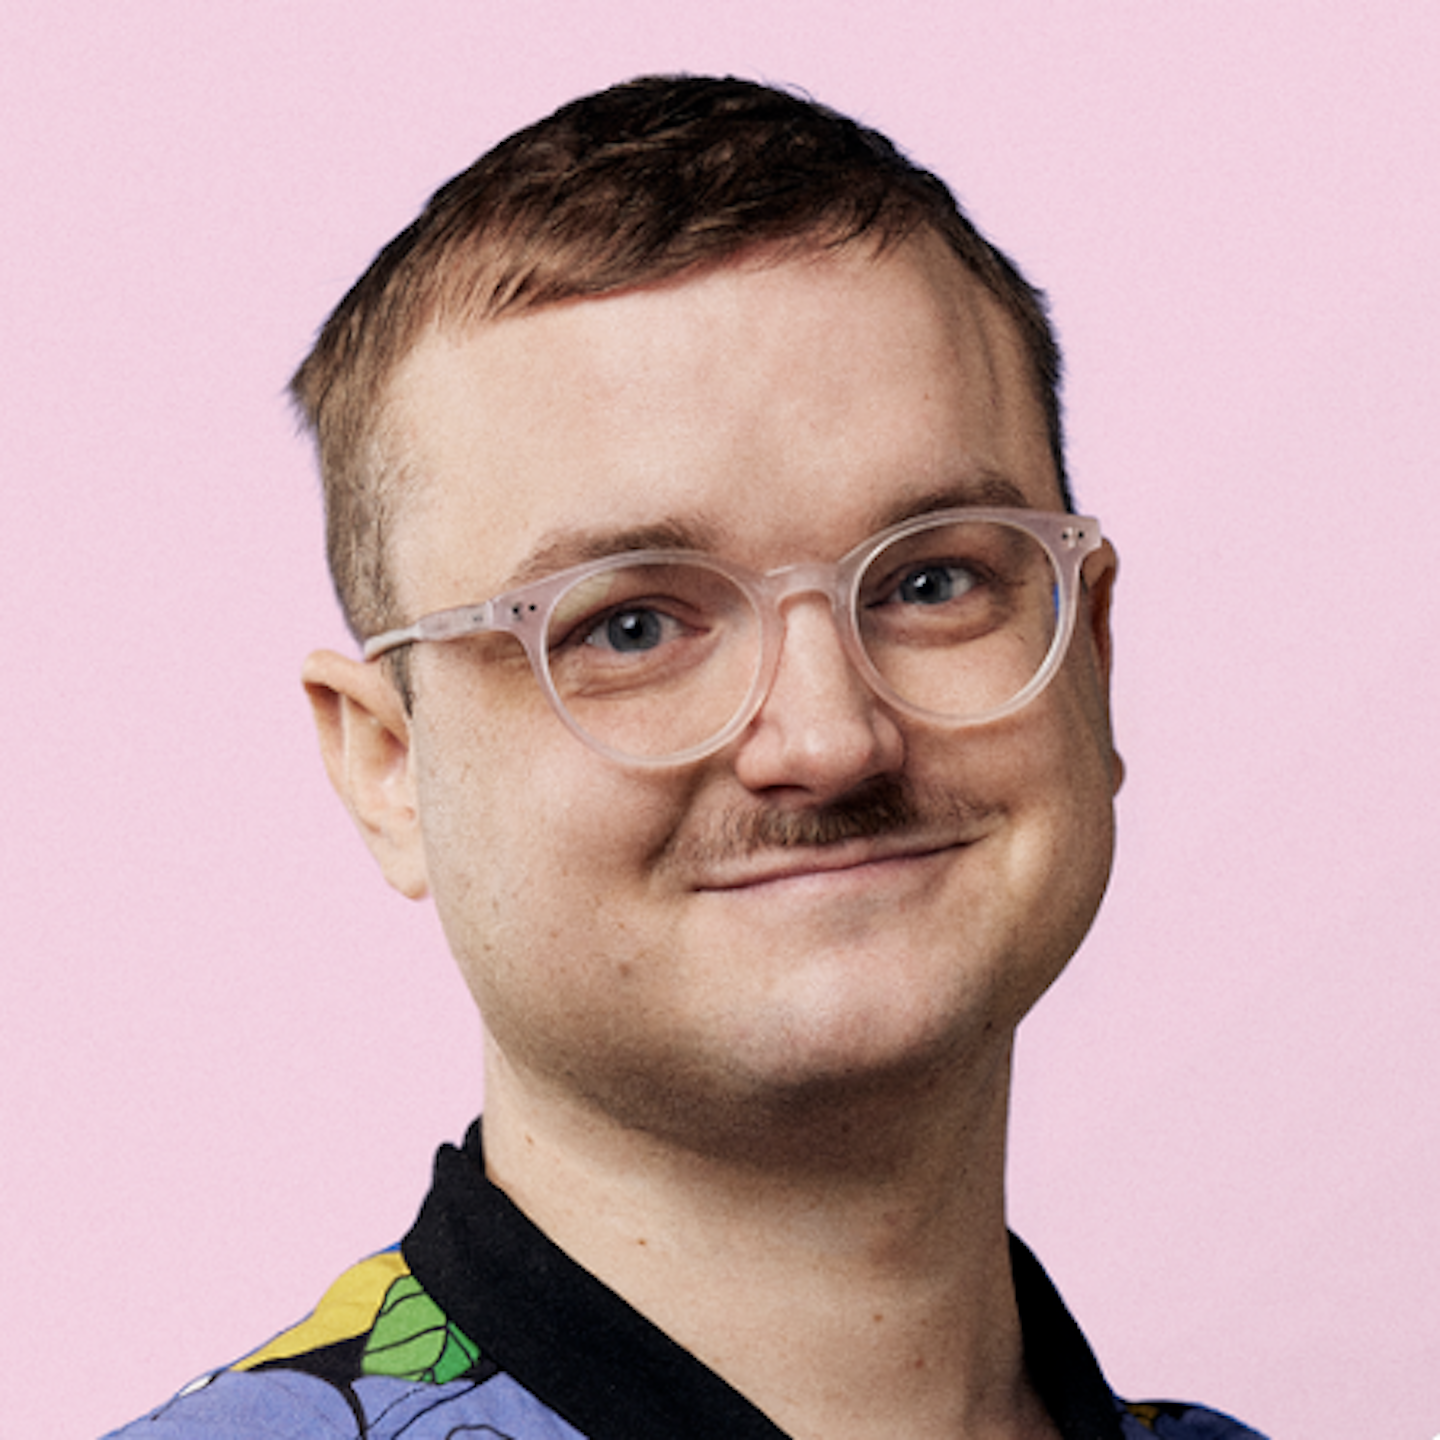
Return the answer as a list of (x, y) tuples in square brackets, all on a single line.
[(228, 1051)]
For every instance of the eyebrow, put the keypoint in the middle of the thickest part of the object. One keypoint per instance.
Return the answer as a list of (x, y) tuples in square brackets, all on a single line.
[(984, 489), (563, 549)]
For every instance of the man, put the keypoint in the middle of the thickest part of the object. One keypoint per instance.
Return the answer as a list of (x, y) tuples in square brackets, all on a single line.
[(735, 680)]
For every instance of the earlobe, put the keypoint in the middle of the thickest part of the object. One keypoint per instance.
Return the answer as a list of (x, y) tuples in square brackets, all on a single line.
[(364, 737)]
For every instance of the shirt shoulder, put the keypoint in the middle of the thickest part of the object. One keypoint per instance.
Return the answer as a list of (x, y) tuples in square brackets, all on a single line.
[(376, 1358), (1169, 1420)]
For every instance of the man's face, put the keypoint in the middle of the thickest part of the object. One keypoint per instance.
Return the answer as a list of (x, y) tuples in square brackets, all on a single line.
[(679, 947)]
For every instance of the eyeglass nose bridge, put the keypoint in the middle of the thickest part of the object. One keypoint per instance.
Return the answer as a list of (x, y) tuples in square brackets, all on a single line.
[(775, 590), (789, 582)]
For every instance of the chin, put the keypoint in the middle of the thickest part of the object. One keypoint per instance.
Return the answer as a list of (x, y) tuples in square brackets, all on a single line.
[(891, 1045)]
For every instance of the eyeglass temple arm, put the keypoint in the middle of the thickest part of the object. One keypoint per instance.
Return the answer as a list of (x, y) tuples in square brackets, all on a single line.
[(443, 625)]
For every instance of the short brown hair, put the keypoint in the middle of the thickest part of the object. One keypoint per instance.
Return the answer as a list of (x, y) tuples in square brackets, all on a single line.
[(630, 186)]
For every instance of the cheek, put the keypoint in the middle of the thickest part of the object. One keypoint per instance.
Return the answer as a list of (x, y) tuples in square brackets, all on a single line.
[(542, 880), (1050, 772), (536, 847), (1070, 789)]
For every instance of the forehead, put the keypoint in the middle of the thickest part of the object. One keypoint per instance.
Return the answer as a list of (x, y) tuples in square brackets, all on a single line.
[(768, 409)]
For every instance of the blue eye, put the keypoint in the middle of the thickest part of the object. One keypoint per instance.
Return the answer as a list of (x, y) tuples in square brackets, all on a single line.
[(629, 632), (934, 584)]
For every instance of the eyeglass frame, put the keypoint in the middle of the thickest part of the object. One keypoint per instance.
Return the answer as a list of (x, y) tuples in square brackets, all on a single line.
[(525, 612)]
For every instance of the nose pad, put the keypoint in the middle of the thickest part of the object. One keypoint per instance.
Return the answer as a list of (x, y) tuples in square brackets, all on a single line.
[(820, 727)]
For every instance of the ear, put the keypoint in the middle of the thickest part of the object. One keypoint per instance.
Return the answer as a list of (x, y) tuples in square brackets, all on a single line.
[(365, 743), (1098, 593)]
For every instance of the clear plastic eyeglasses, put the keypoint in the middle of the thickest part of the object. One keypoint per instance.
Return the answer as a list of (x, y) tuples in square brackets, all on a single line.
[(661, 657)]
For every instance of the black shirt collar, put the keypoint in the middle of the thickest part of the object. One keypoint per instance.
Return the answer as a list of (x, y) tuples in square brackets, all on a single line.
[(576, 1345)]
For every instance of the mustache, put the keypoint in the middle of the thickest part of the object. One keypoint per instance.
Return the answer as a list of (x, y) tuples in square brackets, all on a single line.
[(887, 806)]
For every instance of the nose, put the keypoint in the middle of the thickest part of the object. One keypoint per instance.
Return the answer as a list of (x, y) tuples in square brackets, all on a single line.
[(820, 731)]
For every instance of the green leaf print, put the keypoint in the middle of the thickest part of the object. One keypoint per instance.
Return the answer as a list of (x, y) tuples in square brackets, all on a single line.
[(412, 1340)]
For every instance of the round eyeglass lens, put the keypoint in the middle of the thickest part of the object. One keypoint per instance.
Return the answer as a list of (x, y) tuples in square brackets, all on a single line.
[(653, 659), (958, 619)]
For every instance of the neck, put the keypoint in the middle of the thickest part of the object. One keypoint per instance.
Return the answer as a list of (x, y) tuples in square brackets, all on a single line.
[(870, 1240)]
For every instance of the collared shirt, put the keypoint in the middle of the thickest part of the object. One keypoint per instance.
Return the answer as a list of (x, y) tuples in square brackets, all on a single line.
[(477, 1324)]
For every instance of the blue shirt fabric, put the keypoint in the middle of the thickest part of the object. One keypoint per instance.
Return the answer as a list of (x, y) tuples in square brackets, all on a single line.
[(477, 1325)]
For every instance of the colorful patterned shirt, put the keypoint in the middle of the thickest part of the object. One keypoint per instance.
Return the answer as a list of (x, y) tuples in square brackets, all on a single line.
[(477, 1325)]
